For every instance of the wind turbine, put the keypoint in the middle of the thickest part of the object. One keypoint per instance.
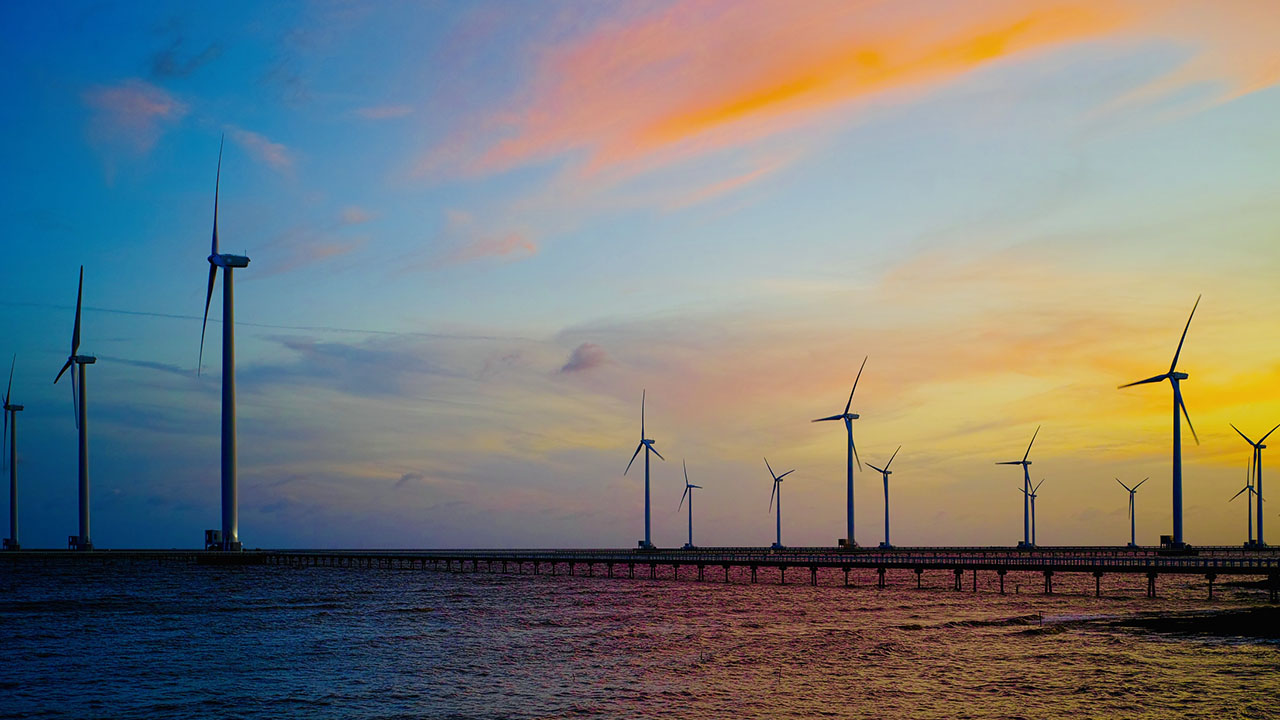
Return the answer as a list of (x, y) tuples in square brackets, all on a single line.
[(1258, 447), (1248, 487), (1026, 490), (851, 454), (230, 490), (1174, 377), (1133, 535), (777, 490), (1032, 496), (647, 445), (886, 472), (688, 492), (82, 417), (11, 438)]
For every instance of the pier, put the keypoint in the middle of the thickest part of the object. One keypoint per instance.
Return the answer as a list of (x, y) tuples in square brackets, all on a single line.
[(715, 564)]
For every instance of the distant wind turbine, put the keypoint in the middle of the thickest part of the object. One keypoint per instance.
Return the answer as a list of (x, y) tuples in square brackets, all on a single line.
[(230, 488), (1258, 447), (1026, 490), (688, 492), (851, 454), (1174, 377), (886, 472), (647, 445), (777, 490), (82, 416), (1133, 532), (1248, 487), (10, 436), (1032, 496)]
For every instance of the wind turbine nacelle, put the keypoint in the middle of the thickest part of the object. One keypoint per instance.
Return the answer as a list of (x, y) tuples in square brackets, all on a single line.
[(85, 359), (229, 261), (13, 408), (1179, 375)]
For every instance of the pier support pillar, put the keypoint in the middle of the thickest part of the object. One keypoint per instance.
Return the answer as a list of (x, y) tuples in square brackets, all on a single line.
[(846, 576), (631, 570), (1048, 582), (1210, 577), (1275, 585), (700, 569), (753, 579), (653, 571), (813, 575), (975, 580), (571, 568), (536, 567), (591, 569), (1151, 584), (726, 574), (782, 574), (610, 567), (880, 578), (1097, 583), (675, 571), (958, 573), (1001, 573), (919, 574)]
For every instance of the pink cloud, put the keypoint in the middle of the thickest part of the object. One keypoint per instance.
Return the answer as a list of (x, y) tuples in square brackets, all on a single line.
[(466, 243), (272, 154), (384, 112), (133, 112)]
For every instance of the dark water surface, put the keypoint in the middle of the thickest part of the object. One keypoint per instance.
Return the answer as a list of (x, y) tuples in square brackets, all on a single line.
[(149, 641)]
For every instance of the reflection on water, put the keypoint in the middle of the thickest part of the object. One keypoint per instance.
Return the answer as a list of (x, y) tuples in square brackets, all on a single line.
[(146, 641)]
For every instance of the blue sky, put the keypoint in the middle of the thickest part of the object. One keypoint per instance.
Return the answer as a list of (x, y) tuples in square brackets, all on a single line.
[(478, 231)]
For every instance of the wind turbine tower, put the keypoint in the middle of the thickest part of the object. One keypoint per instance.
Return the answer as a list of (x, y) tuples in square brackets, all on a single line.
[(1133, 532), (1032, 496), (82, 541), (777, 490), (1026, 490), (851, 454), (688, 492), (1258, 447), (230, 539), (646, 444), (886, 472), (11, 439), (1174, 377)]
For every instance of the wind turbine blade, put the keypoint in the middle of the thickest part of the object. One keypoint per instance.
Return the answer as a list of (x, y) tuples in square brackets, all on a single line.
[(642, 396), (1156, 378), (1036, 489), (1186, 415), (9, 389), (633, 457), (891, 457), (686, 472), (774, 492), (1264, 437), (1135, 487), (833, 417), (1174, 364), (64, 369), (75, 334), (1242, 490), (1010, 462), (855, 386), (699, 487), (855, 449), (655, 452), (1033, 442), (873, 467), (213, 275), (1126, 487), (216, 185), (784, 475), (1246, 437), (682, 497), (766, 464)]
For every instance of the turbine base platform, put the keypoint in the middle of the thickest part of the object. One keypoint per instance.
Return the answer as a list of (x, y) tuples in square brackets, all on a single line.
[(11, 545), (885, 546), (688, 546)]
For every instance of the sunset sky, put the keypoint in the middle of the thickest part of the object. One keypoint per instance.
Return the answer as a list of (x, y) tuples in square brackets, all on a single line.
[(479, 230)]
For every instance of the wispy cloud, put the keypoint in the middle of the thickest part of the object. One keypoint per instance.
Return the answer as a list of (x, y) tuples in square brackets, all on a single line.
[(464, 242), (173, 62), (355, 215), (133, 113), (272, 154), (585, 357)]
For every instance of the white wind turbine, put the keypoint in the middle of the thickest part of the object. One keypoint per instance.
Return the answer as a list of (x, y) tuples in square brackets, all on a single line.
[(1032, 497), (1174, 377), (1256, 463), (82, 540), (647, 445), (1133, 532), (886, 472), (688, 492), (777, 490), (851, 454), (1026, 490), (10, 436), (230, 489)]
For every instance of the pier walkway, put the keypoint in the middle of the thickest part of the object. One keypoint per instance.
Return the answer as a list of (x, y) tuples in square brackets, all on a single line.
[(1209, 562)]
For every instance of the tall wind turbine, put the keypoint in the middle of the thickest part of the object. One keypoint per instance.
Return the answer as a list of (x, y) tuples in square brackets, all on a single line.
[(1258, 447), (230, 500), (777, 490), (11, 439), (1248, 487), (82, 417), (886, 472), (688, 492), (1174, 377), (851, 454), (647, 445), (1133, 532), (1026, 490), (1032, 496)]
